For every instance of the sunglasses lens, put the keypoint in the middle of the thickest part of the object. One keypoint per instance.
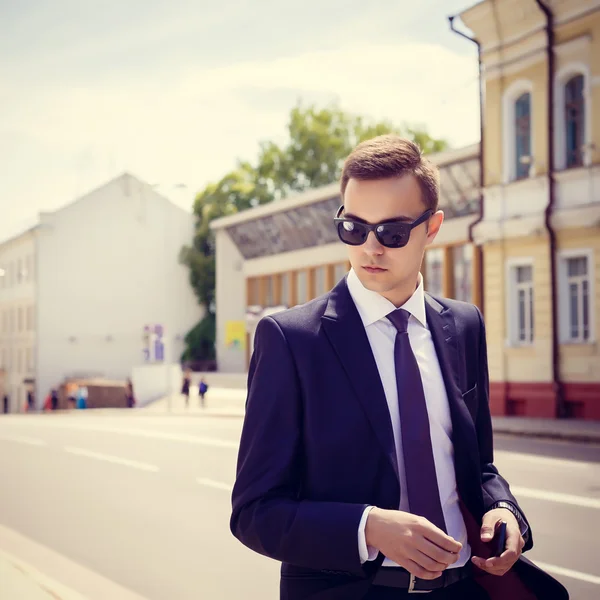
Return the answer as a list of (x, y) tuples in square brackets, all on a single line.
[(393, 235), (352, 233)]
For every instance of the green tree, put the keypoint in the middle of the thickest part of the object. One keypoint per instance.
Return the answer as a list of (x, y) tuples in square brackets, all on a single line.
[(319, 139)]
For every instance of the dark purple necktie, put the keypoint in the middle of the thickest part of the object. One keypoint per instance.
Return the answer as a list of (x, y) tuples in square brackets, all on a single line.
[(421, 480)]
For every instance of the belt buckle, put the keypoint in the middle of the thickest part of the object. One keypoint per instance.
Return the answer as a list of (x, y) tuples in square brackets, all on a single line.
[(411, 587)]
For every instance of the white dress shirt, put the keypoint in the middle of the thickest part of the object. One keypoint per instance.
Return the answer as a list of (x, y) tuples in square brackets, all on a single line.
[(373, 309)]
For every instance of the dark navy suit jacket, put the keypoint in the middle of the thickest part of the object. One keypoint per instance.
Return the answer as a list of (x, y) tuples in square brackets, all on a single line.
[(317, 444)]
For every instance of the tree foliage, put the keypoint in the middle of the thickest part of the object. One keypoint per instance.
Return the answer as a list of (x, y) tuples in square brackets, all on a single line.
[(319, 139)]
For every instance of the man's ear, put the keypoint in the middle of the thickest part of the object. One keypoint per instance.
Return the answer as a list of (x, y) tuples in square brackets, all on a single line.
[(433, 226)]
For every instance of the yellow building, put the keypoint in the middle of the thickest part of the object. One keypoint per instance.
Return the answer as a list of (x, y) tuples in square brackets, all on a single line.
[(541, 203)]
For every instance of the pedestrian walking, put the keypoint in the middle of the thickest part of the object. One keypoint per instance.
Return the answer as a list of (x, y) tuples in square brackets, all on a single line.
[(365, 463), (54, 400), (185, 388), (130, 398), (202, 389)]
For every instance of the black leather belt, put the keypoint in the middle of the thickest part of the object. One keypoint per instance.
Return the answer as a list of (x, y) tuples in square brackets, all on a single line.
[(397, 577)]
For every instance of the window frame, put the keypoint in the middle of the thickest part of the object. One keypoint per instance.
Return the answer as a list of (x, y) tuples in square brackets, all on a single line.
[(511, 95), (512, 303), (429, 253), (564, 297), (563, 76)]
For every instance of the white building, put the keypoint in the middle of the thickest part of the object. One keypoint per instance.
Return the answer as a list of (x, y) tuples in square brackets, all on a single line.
[(17, 316), (95, 274)]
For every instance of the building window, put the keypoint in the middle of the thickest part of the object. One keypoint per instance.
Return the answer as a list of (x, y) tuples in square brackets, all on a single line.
[(520, 306), (20, 271), (320, 277), (253, 291), (301, 287), (339, 271), (285, 289), (574, 121), (434, 271), (269, 291), (576, 295), (463, 272), (523, 135)]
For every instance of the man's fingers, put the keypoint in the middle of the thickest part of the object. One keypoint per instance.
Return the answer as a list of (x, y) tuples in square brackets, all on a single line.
[(499, 564), (418, 571), (427, 562), (436, 553), (514, 541), (441, 539)]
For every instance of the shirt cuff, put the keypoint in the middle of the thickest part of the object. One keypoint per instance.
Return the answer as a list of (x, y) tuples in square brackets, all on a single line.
[(366, 553)]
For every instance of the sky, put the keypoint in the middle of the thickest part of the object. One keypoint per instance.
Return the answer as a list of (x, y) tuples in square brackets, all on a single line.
[(175, 92)]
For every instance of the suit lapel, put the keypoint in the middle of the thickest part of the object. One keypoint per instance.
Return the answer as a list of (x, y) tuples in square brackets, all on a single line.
[(345, 330), (464, 437)]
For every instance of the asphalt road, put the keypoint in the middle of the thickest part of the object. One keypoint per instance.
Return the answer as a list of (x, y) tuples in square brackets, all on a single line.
[(144, 501)]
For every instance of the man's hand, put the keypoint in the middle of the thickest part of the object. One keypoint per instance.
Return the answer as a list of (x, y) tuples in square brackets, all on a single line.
[(412, 542), (514, 542)]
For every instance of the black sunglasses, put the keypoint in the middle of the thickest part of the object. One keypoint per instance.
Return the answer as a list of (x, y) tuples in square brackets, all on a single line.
[(391, 234)]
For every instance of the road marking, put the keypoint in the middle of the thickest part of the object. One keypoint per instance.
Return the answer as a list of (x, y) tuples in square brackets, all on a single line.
[(554, 570), (148, 433), (543, 460), (556, 497), (219, 485), (112, 459), (23, 440)]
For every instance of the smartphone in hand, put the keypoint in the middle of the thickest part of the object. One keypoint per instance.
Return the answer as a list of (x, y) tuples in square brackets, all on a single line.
[(500, 538)]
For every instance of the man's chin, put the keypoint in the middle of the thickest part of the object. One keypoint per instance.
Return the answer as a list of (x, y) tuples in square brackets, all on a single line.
[(375, 283)]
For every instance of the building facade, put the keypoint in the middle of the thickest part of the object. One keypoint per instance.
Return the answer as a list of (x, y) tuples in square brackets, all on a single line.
[(17, 318), (286, 253), (540, 232), (99, 276)]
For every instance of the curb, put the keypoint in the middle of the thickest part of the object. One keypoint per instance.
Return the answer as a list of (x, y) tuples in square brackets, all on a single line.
[(580, 438)]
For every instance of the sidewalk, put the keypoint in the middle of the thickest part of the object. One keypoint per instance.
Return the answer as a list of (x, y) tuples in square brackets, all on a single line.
[(227, 402), (574, 430), (19, 581)]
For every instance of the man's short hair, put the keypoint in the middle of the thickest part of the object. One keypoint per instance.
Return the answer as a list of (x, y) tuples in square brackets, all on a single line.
[(388, 156)]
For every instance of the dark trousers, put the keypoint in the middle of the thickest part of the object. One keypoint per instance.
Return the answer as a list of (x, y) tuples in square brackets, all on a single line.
[(463, 590)]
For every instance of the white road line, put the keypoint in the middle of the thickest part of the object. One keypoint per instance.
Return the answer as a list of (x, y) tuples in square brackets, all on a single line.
[(112, 459), (23, 440), (147, 433), (556, 497), (543, 460), (219, 485), (554, 570)]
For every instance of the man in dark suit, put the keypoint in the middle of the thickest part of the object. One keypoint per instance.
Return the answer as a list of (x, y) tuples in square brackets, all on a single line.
[(365, 463)]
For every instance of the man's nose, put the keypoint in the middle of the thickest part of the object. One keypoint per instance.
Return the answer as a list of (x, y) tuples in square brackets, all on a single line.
[(372, 247)]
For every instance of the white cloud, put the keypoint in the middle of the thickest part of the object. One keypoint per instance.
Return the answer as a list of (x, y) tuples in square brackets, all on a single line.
[(190, 126)]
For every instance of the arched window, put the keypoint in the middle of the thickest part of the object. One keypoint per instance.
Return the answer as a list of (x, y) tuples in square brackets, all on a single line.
[(522, 135), (574, 116)]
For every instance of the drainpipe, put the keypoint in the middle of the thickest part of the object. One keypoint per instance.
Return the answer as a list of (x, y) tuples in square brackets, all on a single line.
[(561, 408), (481, 157)]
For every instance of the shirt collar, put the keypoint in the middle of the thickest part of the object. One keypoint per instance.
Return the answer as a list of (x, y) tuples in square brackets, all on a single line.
[(373, 307)]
